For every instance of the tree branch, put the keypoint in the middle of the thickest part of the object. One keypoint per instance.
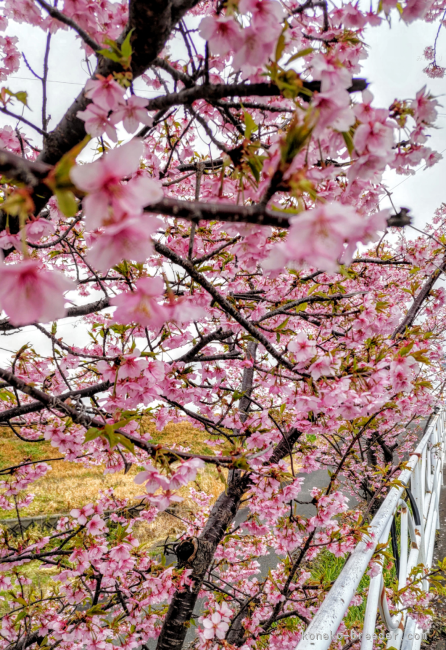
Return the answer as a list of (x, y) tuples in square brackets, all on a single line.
[(62, 18), (55, 402), (18, 411), (72, 312), (227, 306), (419, 300)]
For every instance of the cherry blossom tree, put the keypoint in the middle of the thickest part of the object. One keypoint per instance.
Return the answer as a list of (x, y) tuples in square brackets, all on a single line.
[(220, 245)]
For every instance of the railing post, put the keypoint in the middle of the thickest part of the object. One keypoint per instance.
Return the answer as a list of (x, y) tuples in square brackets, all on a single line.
[(424, 471)]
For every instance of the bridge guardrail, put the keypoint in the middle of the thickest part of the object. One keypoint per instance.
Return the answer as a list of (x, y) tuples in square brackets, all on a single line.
[(418, 528)]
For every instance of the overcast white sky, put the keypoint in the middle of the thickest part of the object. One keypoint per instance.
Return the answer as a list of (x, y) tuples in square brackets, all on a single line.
[(394, 69)]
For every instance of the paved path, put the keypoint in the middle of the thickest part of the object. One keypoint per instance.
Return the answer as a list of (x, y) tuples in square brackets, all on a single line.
[(319, 479), (439, 555)]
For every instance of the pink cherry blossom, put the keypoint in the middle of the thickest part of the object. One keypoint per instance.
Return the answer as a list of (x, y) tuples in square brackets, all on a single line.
[(10, 61), (401, 372), (163, 501), (185, 311), (266, 14), (302, 348), (374, 569), (11, 241), (415, 9), (374, 137), (9, 140), (37, 229), (424, 107), (130, 365), (223, 34), (215, 627), (97, 122), (127, 240), (29, 294), (153, 479), (317, 237), (254, 50), (120, 553), (142, 305), (96, 526), (108, 197), (81, 514), (105, 92), (334, 108), (431, 158), (330, 72), (324, 366), (132, 114), (186, 473), (369, 166)]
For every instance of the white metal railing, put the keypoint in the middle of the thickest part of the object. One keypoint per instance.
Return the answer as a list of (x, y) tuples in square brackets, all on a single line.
[(425, 473)]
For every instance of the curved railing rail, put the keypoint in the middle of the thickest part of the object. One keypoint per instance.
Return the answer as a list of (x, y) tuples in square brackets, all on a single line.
[(424, 472)]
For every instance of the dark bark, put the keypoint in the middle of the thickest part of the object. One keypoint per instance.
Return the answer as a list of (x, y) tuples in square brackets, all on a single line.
[(222, 515), (200, 211), (26, 171), (180, 610), (72, 312), (248, 381), (227, 306), (152, 22), (18, 411), (219, 335), (214, 92), (419, 301)]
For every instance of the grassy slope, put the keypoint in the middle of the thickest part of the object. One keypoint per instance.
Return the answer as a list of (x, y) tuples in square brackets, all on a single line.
[(70, 485)]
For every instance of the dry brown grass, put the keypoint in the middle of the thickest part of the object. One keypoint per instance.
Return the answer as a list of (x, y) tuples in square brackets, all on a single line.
[(71, 485)]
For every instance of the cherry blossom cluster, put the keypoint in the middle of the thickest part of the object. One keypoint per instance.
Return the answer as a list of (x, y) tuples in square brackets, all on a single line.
[(221, 252), (109, 108)]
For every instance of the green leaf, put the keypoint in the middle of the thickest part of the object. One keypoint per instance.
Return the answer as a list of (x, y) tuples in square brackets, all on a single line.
[(256, 165), (92, 434), (348, 141), (20, 616), (110, 55), (126, 48), (280, 46), (284, 324), (405, 351), (240, 463), (295, 139), (96, 609), (250, 125), (21, 95), (298, 55), (125, 442), (111, 437), (67, 202), (420, 357), (347, 273), (121, 54)]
